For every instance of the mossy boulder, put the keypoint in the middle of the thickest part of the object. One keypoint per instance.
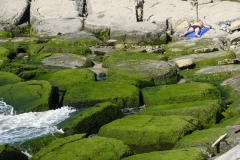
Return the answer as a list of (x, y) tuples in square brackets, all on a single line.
[(68, 77), (35, 49), (67, 61), (205, 138), (33, 146), (142, 73), (8, 152), (144, 133), (29, 96), (189, 46), (88, 94), (90, 120), (4, 52), (187, 154), (77, 147), (5, 34), (179, 93), (208, 112), (25, 71), (112, 58), (8, 78)]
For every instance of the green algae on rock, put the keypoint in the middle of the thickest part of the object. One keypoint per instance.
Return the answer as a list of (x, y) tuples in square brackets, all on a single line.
[(91, 93), (184, 154), (8, 78), (29, 96), (8, 152), (144, 133), (208, 112), (90, 120), (78, 147), (179, 93)]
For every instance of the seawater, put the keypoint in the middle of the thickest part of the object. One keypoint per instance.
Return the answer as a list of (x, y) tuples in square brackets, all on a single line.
[(22, 127)]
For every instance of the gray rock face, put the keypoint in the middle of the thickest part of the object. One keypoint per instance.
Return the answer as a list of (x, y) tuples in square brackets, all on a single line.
[(232, 154), (12, 11), (52, 16), (218, 69), (234, 82)]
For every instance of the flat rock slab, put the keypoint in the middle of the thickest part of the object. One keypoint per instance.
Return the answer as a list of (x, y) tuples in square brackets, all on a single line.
[(12, 11), (66, 60), (234, 82), (232, 154), (57, 26), (218, 69), (202, 56)]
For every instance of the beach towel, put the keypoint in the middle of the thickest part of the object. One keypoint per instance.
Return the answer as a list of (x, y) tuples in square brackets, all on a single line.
[(202, 32)]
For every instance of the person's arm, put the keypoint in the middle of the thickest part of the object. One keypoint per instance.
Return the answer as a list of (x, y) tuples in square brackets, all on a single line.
[(207, 26)]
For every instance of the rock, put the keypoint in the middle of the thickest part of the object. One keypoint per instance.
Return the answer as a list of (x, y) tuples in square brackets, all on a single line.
[(144, 133), (184, 63), (67, 61), (206, 111), (78, 147), (9, 152), (234, 82), (228, 61), (174, 93), (89, 121), (30, 96), (14, 12), (183, 25), (218, 69), (57, 26), (120, 46), (96, 92), (235, 37), (68, 77), (234, 26), (232, 154), (196, 153), (8, 78)]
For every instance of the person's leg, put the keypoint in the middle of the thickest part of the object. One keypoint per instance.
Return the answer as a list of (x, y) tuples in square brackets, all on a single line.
[(187, 32), (197, 31)]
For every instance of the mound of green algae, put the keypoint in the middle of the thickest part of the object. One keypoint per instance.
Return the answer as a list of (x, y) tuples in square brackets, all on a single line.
[(144, 133), (78, 147)]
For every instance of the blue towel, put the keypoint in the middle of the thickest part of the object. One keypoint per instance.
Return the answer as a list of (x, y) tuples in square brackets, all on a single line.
[(202, 32)]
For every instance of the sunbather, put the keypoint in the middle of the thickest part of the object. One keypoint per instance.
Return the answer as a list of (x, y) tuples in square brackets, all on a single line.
[(197, 26)]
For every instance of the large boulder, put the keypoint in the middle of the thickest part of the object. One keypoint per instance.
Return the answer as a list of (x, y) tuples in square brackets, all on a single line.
[(29, 96), (91, 119), (54, 17), (14, 12), (187, 153), (144, 133), (88, 94), (8, 78), (207, 112), (179, 93), (77, 147)]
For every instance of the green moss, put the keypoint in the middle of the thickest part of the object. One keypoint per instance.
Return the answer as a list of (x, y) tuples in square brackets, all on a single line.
[(208, 112), (89, 120), (68, 77), (144, 133), (8, 152), (35, 145), (179, 93), (96, 92), (84, 148), (180, 154), (5, 34), (8, 78), (3, 61), (116, 56), (29, 96), (4, 52)]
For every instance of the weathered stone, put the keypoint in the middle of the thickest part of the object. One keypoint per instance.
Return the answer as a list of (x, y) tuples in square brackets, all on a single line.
[(144, 133), (234, 82), (232, 154), (234, 26), (228, 61), (184, 63), (235, 37), (14, 12), (218, 69), (67, 61)]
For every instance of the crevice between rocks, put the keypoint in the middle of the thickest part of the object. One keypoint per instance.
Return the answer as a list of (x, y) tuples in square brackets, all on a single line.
[(139, 10)]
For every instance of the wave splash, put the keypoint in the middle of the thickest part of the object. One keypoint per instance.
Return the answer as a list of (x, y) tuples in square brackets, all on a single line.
[(22, 127)]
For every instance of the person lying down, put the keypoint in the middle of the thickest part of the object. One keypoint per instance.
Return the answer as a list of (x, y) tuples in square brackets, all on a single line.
[(195, 27)]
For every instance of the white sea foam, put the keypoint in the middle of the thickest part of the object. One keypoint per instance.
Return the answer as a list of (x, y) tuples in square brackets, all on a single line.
[(22, 127)]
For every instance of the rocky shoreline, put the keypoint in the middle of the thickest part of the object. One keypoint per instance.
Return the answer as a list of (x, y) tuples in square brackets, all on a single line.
[(105, 57)]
